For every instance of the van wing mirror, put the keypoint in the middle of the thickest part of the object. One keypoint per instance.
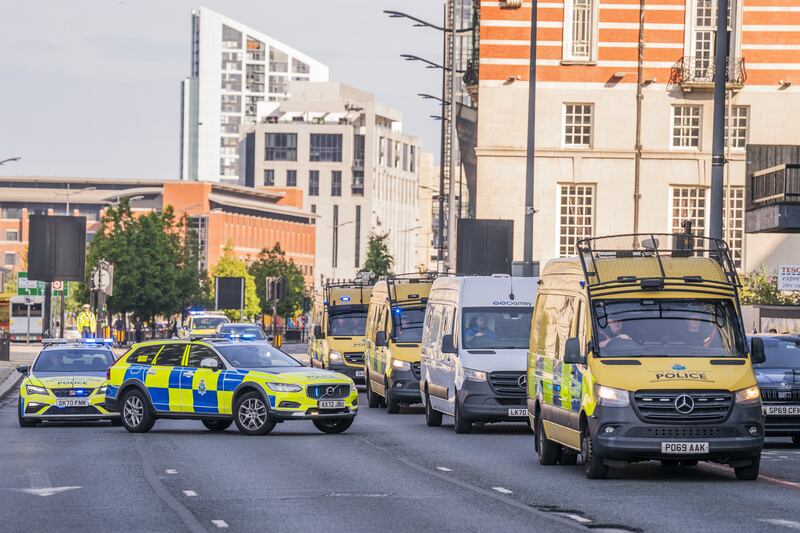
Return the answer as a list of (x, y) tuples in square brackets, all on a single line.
[(380, 339), (572, 352), (757, 354), (318, 334), (448, 346)]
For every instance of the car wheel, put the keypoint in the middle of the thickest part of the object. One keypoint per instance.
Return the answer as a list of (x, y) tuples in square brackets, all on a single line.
[(460, 425), (252, 415), (392, 406), (549, 452), (433, 418), (592, 463), (116, 422), (23, 422), (136, 415), (373, 400), (333, 426), (749, 472), (215, 424)]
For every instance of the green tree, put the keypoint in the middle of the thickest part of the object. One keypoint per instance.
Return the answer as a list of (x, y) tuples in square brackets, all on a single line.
[(230, 266), (761, 288), (273, 263), (379, 260)]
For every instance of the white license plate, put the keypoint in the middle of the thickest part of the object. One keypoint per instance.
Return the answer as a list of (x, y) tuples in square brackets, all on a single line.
[(359, 373), (782, 410), (72, 402), (517, 412), (684, 447), (331, 404)]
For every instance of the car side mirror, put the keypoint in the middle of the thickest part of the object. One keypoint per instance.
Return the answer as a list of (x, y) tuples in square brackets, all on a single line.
[(757, 354), (380, 339), (318, 334), (209, 363), (24, 369), (572, 352), (448, 346)]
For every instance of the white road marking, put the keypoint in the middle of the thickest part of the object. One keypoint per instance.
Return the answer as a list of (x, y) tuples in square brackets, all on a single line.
[(189, 493), (46, 491), (220, 523), (502, 490), (170, 471), (577, 518), (42, 486), (443, 469), (779, 522)]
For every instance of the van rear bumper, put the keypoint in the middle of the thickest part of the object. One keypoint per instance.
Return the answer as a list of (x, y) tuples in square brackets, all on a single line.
[(480, 404), (634, 440)]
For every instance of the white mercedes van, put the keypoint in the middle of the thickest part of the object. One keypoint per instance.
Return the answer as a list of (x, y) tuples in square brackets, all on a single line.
[(474, 349)]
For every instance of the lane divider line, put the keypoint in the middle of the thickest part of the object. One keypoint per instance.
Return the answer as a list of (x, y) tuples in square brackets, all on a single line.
[(780, 522), (220, 523), (443, 469), (190, 493), (171, 471), (503, 490), (763, 477)]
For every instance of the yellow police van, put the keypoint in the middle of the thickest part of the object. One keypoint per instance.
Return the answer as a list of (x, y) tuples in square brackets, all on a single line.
[(393, 340), (221, 381), (338, 321), (638, 353), (202, 324)]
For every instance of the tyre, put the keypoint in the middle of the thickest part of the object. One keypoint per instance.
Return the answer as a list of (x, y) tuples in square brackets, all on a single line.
[(392, 406), (593, 465), (749, 472), (568, 457), (460, 425), (373, 400), (215, 424), (549, 452), (670, 463), (136, 414), (433, 418), (333, 425), (252, 415), (23, 422), (116, 422)]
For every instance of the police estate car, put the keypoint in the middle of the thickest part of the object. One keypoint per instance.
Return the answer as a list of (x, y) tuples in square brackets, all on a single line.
[(66, 382), (221, 381)]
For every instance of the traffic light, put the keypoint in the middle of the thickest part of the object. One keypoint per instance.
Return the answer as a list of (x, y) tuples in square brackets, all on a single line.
[(276, 288)]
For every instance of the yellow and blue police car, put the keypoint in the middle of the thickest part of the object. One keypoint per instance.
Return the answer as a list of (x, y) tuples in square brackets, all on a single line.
[(66, 382), (221, 381)]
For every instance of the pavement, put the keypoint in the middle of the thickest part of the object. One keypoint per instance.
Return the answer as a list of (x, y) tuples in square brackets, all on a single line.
[(388, 472)]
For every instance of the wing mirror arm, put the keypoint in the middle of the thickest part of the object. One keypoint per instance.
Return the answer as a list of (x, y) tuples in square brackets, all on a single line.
[(572, 352)]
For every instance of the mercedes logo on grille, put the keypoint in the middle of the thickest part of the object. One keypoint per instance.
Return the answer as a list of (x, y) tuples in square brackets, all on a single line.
[(684, 404), (522, 381)]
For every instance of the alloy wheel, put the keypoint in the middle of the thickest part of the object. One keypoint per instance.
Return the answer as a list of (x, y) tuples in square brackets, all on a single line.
[(133, 411), (253, 414)]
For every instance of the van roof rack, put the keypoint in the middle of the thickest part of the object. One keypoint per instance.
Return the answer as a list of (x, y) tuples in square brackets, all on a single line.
[(662, 261)]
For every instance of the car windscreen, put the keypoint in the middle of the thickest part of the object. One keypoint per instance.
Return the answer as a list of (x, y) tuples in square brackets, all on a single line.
[(255, 355), (781, 352), (252, 331), (668, 328), (496, 327), (348, 323), (208, 322), (74, 361), (408, 324)]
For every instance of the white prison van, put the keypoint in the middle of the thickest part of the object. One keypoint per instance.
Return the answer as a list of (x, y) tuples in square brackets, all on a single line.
[(474, 349)]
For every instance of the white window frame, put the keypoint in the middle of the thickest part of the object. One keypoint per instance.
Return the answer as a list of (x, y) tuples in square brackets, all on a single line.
[(672, 126), (566, 54), (734, 109), (558, 226), (736, 23), (729, 211), (671, 198), (564, 143)]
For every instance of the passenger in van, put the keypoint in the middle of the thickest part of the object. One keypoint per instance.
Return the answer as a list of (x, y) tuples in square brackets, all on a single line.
[(701, 333), (479, 328), (613, 331)]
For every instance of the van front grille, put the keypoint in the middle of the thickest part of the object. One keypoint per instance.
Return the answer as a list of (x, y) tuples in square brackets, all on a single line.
[(510, 383), (354, 358), (415, 369), (672, 406)]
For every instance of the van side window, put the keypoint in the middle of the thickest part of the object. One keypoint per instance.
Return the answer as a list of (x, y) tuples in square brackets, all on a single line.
[(547, 334), (436, 318), (447, 321), (564, 326)]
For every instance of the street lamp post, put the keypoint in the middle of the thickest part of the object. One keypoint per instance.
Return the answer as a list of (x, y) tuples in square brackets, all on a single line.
[(527, 246), (718, 141)]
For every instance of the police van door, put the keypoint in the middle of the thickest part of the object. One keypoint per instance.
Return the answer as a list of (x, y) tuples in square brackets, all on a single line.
[(199, 385)]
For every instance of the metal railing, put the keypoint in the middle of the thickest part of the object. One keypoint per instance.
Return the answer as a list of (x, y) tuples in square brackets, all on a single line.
[(775, 185), (691, 70)]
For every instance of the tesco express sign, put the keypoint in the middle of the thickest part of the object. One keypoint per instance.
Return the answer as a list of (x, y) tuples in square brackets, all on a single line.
[(789, 278)]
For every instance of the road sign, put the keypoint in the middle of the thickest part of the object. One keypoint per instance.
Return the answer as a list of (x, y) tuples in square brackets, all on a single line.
[(58, 286), (27, 287), (789, 278), (102, 279)]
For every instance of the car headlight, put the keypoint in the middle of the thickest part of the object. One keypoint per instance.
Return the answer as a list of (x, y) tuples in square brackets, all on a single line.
[(284, 387), (353, 386), (401, 365), (335, 356), (35, 389), (748, 396), (474, 375), (611, 397), (101, 390)]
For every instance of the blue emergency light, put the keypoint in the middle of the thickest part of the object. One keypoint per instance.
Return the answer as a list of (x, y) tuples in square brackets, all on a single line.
[(345, 298)]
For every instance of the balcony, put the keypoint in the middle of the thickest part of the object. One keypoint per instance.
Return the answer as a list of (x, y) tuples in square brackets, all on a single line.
[(693, 73), (773, 193)]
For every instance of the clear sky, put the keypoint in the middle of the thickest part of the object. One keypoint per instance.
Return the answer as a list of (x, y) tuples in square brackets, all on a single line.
[(91, 88)]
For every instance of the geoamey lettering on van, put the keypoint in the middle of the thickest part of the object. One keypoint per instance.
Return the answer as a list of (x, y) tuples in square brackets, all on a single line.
[(512, 303)]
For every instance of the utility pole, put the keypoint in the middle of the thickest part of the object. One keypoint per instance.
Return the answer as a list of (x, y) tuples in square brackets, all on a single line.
[(442, 162), (527, 255), (637, 170), (718, 144), (452, 214)]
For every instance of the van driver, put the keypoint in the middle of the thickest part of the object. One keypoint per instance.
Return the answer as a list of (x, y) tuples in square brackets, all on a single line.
[(480, 329), (613, 331)]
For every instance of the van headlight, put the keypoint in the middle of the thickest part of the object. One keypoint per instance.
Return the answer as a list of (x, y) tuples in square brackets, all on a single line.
[(401, 365), (335, 356), (35, 389), (474, 375), (284, 387), (611, 397), (748, 396)]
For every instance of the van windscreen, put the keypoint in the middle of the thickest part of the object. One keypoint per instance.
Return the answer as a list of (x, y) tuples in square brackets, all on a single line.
[(408, 324), (668, 328), (496, 328)]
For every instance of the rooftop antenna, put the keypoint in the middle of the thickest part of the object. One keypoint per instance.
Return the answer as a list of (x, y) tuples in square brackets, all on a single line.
[(511, 281)]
